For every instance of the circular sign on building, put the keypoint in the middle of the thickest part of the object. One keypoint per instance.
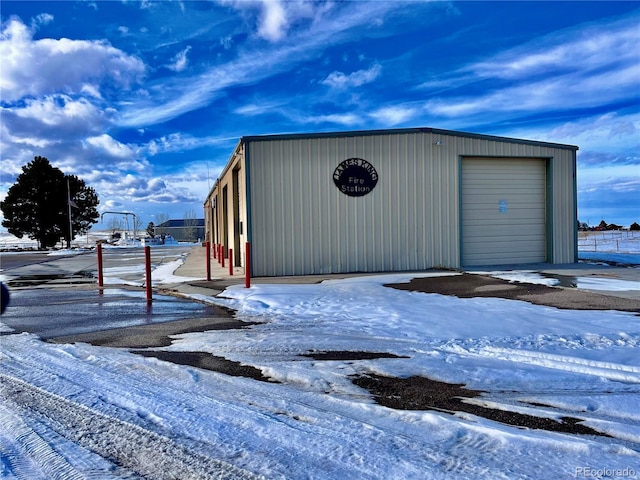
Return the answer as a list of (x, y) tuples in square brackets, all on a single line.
[(355, 177)]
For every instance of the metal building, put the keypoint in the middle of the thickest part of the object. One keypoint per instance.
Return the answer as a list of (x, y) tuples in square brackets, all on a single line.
[(182, 230), (394, 200)]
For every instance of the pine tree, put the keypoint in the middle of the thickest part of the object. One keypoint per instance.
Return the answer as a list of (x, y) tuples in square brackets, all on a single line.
[(37, 205)]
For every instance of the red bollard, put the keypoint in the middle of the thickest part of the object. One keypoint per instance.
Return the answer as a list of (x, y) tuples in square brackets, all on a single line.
[(231, 261), (214, 250), (222, 256), (208, 245), (219, 253), (100, 275), (247, 265), (147, 261)]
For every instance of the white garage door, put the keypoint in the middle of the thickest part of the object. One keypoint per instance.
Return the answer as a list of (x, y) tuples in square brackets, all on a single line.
[(503, 211)]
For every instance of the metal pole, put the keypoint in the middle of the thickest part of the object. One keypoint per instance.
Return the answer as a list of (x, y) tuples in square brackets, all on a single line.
[(230, 261), (208, 245), (147, 258), (247, 265), (100, 274), (70, 220)]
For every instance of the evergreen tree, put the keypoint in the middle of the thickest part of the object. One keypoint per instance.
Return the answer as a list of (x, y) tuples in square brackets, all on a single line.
[(37, 205)]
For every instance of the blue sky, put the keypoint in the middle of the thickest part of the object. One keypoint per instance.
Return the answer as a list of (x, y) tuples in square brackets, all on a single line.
[(145, 101)]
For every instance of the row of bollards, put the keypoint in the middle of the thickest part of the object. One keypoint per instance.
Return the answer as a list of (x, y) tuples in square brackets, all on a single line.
[(147, 270), (218, 252)]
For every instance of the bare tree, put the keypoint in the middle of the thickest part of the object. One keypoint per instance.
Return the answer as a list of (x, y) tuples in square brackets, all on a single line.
[(115, 226), (161, 218), (190, 225)]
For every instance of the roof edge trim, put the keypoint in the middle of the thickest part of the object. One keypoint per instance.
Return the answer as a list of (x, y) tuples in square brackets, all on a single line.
[(395, 131)]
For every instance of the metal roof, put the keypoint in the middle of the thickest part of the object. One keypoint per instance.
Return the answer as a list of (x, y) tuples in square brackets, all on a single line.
[(182, 223), (437, 131)]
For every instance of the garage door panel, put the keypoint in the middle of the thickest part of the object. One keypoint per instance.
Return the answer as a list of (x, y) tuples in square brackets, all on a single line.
[(503, 211), (526, 219)]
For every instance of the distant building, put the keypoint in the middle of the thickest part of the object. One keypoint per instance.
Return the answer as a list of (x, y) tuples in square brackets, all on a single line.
[(394, 200), (184, 230)]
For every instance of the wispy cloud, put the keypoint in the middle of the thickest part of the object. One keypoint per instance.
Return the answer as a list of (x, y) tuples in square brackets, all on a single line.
[(180, 61), (345, 119), (594, 47), (341, 80), (565, 70), (250, 66), (394, 115)]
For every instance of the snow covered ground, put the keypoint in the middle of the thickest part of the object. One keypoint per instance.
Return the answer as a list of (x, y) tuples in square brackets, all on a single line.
[(79, 411), (613, 247)]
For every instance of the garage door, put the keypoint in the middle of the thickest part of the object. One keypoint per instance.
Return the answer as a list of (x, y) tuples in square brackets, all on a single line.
[(503, 211)]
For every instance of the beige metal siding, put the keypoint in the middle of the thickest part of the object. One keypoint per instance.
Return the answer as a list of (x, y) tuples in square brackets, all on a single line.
[(226, 209), (503, 211), (302, 223)]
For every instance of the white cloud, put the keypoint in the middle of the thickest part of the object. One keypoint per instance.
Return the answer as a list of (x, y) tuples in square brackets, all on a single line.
[(601, 45), (276, 17), (48, 66), (253, 109), (53, 117), (91, 90), (55, 110), (42, 19), (274, 20), (110, 146), (394, 115), (340, 118), (584, 67), (340, 80), (180, 61), (609, 132), (569, 91)]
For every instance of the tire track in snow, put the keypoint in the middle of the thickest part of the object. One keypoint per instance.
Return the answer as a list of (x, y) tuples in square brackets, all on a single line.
[(612, 371), (31, 457), (147, 453)]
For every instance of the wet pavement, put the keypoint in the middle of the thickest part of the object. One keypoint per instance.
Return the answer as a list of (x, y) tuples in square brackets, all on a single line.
[(56, 312), (57, 296)]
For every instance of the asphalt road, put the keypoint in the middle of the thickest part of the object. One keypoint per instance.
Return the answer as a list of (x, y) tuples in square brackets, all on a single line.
[(11, 261)]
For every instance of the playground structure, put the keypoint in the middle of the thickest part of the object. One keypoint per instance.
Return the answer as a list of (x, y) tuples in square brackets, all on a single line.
[(128, 239)]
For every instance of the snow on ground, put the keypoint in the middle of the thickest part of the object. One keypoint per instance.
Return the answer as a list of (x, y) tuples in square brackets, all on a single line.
[(78, 411), (612, 247)]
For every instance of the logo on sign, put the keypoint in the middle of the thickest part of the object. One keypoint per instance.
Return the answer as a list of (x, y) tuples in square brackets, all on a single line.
[(355, 177)]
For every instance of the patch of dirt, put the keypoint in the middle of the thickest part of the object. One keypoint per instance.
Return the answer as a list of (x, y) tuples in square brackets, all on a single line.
[(420, 393), (467, 285), (152, 335), (206, 361), (349, 355)]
